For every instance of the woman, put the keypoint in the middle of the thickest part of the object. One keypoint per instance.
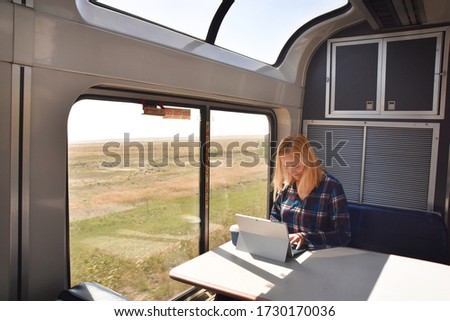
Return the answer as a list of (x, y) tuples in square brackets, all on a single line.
[(309, 200)]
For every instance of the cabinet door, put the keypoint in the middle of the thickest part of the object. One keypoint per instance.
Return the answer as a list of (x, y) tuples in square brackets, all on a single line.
[(355, 77), (399, 75), (412, 74)]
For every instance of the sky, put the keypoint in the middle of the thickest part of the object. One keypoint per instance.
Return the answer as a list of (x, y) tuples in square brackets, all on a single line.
[(97, 120)]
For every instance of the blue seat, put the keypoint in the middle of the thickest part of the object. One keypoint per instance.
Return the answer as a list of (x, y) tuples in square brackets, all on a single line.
[(411, 233)]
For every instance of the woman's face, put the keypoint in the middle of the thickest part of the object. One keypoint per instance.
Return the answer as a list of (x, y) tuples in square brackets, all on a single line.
[(292, 164)]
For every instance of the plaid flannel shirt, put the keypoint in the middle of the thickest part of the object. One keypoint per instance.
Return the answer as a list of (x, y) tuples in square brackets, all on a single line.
[(322, 216)]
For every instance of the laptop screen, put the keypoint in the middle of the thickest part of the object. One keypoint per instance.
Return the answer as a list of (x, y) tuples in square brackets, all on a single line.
[(262, 237)]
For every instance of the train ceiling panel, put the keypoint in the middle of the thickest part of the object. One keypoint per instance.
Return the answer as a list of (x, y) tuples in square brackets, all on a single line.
[(388, 14)]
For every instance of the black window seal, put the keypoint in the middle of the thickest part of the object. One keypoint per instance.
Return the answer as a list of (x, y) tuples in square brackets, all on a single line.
[(217, 21), (305, 27)]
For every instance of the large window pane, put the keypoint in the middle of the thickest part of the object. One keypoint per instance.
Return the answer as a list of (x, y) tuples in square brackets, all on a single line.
[(191, 17), (257, 29), (133, 197), (261, 30), (239, 170)]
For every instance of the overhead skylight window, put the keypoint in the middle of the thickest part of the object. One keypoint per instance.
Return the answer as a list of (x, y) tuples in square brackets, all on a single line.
[(256, 29), (191, 17), (261, 30)]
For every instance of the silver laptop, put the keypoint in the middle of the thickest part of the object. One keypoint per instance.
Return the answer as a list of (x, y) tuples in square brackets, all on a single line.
[(265, 238)]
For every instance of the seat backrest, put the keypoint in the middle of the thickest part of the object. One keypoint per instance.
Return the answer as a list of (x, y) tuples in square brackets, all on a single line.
[(416, 234)]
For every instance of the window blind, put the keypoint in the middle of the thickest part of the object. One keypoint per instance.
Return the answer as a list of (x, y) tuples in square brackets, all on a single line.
[(390, 165), (340, 150)]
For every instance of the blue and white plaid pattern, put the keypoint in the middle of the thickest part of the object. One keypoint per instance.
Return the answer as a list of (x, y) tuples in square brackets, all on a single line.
[(322, 215)]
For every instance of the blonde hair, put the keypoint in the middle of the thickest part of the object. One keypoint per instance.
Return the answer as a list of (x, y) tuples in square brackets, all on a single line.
[(312, 173)]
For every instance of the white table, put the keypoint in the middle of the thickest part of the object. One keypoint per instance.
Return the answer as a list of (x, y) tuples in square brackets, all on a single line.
[(340, 273)]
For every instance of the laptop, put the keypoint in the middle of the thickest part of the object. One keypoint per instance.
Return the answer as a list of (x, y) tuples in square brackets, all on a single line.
[(265, 238)]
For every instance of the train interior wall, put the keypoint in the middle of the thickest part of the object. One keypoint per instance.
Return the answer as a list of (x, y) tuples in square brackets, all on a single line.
[(315, 105)]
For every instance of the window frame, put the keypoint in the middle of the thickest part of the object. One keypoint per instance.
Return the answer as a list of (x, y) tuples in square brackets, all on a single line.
[(205, 107), (88, 12)]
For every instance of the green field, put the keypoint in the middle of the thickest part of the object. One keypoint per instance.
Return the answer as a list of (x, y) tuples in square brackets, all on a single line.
[(130, 225)]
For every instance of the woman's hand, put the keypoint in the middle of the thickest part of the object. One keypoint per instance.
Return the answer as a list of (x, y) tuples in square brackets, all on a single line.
[(297, 238)]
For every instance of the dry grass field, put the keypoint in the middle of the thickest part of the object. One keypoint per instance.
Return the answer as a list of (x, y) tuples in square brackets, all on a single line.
[(129, 225)]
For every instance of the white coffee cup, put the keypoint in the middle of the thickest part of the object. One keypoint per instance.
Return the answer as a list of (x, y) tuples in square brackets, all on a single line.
[(234, 231)]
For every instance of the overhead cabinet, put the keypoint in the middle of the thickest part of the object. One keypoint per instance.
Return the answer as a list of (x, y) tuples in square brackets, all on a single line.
[(389, 76)]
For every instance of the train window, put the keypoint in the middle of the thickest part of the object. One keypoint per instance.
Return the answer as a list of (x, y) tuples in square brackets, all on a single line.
[(393, 85), (262, 29), (133, 197), (134, 182), (239, 170), (191, 17)]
